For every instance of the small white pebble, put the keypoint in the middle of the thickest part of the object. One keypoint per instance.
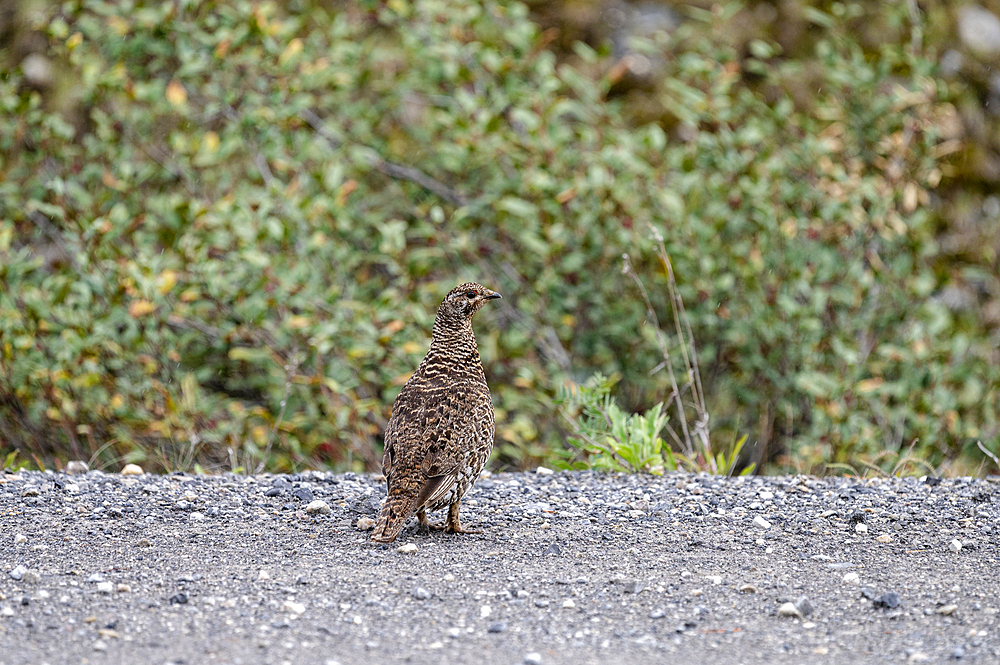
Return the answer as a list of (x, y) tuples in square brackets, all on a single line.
[(714, 579), (123, 588), (448, 577), (20, 539), (365, 524), (132, 470), (543, 471), (292, 607), (765, 495), (263, 575), (407, 548), (947, 609), (318, 507), (7, 611), (533, 658), (789, 610), (852, 578), (696, 592), (747, 588), (861, 527), (105, 587), (955, 545), (761, 522), (568, 603), (884, 538), (485, 611)]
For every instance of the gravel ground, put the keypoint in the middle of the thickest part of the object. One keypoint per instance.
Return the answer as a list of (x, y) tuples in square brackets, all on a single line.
[(570, 568)]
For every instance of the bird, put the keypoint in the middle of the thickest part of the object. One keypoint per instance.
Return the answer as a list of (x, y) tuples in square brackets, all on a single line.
[(440, 431)]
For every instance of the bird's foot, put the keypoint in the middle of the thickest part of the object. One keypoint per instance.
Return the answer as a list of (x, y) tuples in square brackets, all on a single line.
[(452, 525), (459, 529), (425, 526)]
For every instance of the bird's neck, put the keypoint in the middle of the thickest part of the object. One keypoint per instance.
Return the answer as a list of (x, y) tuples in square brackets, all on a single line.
[(455, 341), (453, 334)]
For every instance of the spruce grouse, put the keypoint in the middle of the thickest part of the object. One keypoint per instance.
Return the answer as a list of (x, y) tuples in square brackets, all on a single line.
[(440, 433)]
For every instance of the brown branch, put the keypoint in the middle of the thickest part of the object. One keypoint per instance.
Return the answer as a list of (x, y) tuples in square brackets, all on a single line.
[(660, 338), (417, 176), (319, 126), (397, 171)]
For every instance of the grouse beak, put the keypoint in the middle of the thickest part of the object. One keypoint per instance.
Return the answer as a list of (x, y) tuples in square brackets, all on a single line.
[(493, 295)]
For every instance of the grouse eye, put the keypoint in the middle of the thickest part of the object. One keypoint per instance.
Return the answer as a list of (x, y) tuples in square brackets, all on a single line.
[(470, 294)]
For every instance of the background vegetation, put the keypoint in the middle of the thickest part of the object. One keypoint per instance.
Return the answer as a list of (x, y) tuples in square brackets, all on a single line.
[(225, 228)]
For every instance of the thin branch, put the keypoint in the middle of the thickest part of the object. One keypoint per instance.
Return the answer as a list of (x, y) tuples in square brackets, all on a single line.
[(417, 176), (319, 126), (289, 372), (660, 338), (265, 170), (989, 453), (916, 27), (688, 350), (393, 170), (175, 321), (680, 315)]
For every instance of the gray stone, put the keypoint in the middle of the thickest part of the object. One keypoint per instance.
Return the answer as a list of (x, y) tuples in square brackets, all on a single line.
[(804, 606)]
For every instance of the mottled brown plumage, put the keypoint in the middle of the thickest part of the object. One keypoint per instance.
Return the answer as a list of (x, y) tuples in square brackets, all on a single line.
[(440, 433)]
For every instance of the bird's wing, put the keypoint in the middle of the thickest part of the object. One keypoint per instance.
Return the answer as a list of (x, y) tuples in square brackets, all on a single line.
[(403, 433), (452, 442)]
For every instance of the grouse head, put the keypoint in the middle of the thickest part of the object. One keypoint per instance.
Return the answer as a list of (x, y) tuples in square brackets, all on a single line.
[(465, 300)]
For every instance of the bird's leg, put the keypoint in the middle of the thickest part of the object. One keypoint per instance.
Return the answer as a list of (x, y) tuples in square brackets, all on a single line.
[(452, 525), (425, 525)]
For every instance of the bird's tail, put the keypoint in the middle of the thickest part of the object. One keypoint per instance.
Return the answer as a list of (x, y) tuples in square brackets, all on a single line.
[(396, 509)]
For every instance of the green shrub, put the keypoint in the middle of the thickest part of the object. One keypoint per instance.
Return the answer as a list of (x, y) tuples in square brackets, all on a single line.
[(236, 233), (806, 242), (611, 439), (225, 229)]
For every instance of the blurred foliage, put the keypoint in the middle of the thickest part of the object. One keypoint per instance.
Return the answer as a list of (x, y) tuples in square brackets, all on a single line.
[(225, 228)]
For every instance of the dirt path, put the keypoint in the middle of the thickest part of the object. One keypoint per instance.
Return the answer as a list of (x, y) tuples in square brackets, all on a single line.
[(571, 568)]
